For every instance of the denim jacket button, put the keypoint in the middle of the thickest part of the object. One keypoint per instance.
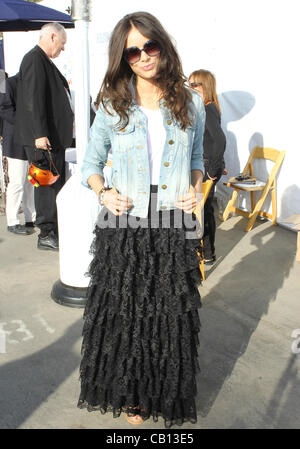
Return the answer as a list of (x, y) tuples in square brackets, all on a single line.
[(164, 186), (171, 142), (169, 122), (166, 164)]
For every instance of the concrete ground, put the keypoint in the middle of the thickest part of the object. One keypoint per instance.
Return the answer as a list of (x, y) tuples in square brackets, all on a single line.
[(249, 356)]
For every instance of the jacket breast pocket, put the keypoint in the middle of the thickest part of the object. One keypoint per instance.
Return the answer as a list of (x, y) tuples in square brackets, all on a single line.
[(124, 139)]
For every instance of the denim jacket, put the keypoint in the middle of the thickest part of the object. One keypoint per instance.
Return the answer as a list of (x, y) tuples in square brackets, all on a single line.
[(183, 152)]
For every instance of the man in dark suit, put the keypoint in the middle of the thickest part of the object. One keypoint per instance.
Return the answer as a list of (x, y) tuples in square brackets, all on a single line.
[(45, 120), (18, 189)]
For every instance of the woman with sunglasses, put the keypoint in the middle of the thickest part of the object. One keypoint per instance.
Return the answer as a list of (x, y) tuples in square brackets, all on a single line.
[(214, 144), (141, 321)]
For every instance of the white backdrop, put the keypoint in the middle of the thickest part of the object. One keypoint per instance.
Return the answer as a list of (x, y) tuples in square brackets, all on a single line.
[(252, 47)]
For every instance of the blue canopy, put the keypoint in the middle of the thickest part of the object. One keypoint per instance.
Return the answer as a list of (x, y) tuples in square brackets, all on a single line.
[(20, 15)]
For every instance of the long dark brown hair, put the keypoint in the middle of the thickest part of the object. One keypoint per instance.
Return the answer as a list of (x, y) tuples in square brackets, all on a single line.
[(169, 78)]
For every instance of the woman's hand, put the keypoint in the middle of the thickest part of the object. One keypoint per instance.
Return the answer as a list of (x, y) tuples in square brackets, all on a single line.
[(116, 203), (187, 202)]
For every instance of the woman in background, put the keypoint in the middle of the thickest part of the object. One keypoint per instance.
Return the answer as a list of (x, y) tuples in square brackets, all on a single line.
[(214, 144)]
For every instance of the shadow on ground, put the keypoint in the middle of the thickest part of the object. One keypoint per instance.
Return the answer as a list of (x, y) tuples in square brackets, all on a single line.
[(234, 307), (27, 382)]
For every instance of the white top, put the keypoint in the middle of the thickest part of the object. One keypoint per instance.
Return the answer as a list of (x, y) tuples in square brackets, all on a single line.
[(156, 136)]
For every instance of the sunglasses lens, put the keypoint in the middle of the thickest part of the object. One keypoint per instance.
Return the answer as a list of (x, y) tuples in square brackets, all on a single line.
[(132, 54), (152, 48)]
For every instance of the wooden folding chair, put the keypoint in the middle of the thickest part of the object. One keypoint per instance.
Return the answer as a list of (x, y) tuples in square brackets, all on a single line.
[(206, 186), (269, 185)]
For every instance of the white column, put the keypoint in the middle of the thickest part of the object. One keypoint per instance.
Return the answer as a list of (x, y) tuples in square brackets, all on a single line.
[(77, 206), (82, 88)]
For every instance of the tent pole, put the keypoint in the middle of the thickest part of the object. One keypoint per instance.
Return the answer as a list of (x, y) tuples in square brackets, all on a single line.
[(75, 202)]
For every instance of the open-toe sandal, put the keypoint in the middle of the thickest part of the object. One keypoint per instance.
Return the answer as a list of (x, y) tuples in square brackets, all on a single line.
[(134, 419)]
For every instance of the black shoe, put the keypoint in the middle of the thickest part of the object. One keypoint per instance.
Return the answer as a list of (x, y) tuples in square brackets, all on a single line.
[(210, 260), (30, 224), (48, 242), (18, 229)]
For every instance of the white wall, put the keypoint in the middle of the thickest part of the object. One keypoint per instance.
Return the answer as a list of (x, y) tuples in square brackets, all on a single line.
[(252, 46)]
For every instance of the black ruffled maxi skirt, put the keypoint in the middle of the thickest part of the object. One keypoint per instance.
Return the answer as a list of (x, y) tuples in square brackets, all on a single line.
[(141, 323)]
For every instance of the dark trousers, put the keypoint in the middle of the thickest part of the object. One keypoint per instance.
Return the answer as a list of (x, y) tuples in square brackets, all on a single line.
[(45, 196), (209, 225)]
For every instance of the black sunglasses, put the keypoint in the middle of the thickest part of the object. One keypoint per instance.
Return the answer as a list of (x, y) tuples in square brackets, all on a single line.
[(133, 54), (194, 85)]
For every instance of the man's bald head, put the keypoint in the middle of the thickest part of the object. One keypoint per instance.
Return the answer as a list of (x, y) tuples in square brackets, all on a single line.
[(53, 38)]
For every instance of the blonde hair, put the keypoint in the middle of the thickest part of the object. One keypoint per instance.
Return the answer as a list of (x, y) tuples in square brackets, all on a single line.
[(209, 85)]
